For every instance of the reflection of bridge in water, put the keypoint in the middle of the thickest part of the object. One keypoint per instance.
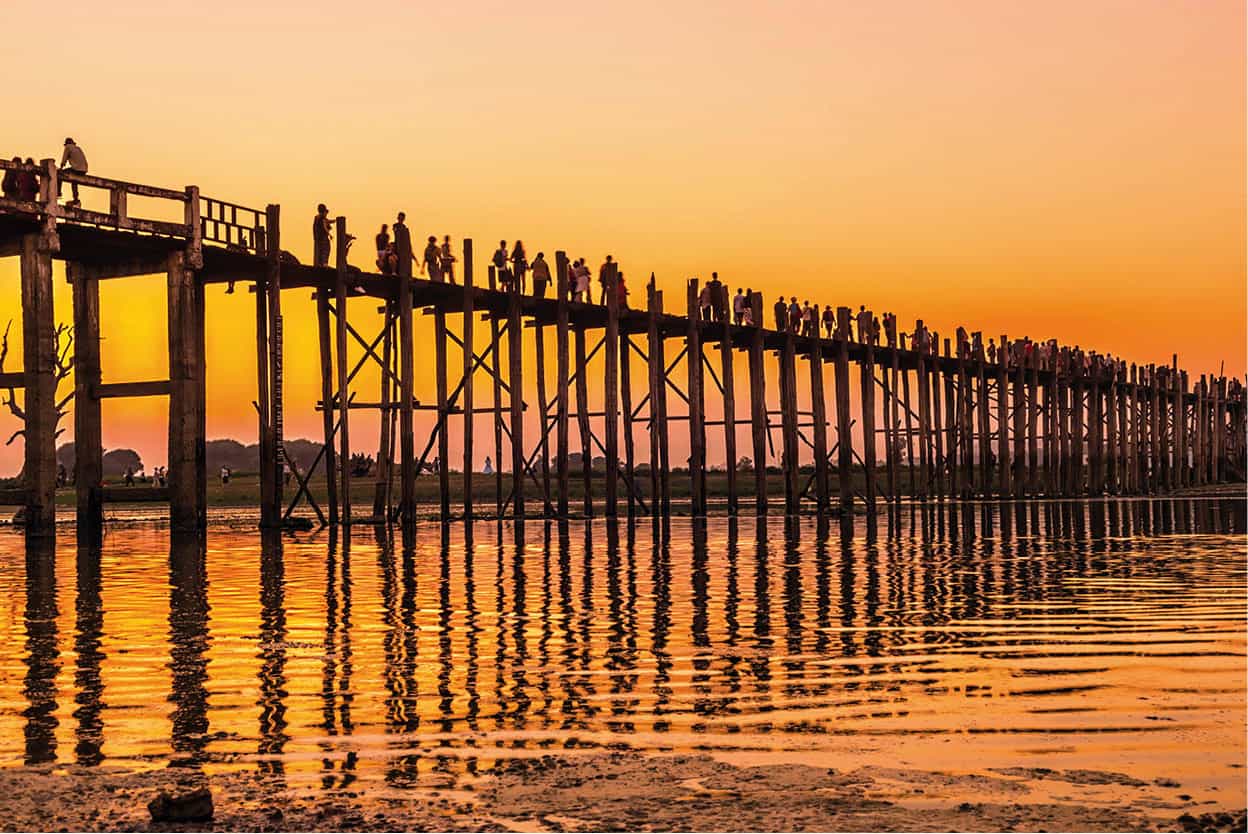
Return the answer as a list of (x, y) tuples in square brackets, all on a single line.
[(1006, 429)]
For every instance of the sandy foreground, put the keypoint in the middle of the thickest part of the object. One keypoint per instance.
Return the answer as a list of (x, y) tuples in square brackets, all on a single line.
[(626, 791)]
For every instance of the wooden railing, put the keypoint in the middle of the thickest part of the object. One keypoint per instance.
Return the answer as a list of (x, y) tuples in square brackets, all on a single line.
[(232, 225)]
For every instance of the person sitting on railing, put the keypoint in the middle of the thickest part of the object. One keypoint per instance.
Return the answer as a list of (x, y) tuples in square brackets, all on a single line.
[(28, 182), (10, 179), (320, 236), (73, 159)]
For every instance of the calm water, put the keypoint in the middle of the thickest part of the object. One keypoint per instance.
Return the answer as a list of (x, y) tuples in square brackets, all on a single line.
[(1098, 635)]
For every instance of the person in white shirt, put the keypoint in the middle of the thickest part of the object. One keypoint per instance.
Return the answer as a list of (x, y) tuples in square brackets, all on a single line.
[(739, 305), (75, 160)]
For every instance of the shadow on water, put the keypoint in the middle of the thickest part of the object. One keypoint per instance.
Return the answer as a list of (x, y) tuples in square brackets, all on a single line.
[(438, 653)]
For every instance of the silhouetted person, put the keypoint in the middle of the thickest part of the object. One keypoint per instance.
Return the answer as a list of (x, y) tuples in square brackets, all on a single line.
[(383, 246), (602, 280), (541, 275), (402, 247), (9, 187), (782, 314), (705, 299), (519, 266), (73, 159), (500, 259), (714, 286), (431, 264), (621, 292), (829, 319), (28, 182), (580, 286), (448, 260), (739, 305), (320, 236), (795, 315)]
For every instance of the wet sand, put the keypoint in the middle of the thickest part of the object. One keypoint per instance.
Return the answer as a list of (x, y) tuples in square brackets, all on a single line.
[(627, 791)]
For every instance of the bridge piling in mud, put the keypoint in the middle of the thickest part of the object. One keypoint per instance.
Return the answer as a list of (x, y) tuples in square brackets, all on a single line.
[(1029, 421)]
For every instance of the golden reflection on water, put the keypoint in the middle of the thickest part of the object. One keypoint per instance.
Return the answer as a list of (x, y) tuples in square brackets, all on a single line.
[(1101, 634)]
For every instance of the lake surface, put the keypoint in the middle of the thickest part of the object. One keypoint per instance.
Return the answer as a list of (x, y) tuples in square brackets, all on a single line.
[(1099, 635)]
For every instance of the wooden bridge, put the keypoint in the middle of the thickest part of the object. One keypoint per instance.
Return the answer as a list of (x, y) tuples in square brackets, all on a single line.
[(936, 421)]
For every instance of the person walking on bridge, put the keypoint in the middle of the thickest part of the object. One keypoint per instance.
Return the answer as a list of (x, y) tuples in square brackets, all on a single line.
[(448, 260), (431, 264), (602, 280), (73, 159), (320, 236), (739, 303), (541, 275)]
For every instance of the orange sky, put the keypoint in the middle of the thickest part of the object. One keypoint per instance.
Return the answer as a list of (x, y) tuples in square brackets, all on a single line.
[(1065, 169)]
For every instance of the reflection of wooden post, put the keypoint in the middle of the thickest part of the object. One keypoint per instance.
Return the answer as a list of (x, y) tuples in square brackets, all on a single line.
[(327, 402), (88, 442), (844, 447), (344, 434), (611, 389), (561, 389), (697, 431), (470, 360), (186, 400), (758, 405)]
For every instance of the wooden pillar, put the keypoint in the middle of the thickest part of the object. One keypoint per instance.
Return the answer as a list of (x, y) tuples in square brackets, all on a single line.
[(267, 438), (444, 417), (273, 288), (818, 408), (1218, 430), (789, 421), (654, 379), (328, 403), (1033, 414), (758, 405), (1156, 483), (983, 415), (665, 468), (938, 433), (1198, 433), (543, 443), (1063, 424), (497, 374), (844, 450), (470, 314), (582, 422), (1112, 482), (407, 374), (891, 443), (866, 375), (697, 429), (1004, 488), (611, 392), (1076, 427), (626, 409), (186, 395), (1179, 434), (1138, 485), (39, 380), (344, 432), (385, 445), (561, 389), (952, 453), (88, 442), (515, 380), (730, 413), (1096, 468), (911, 465), (1019, 406)]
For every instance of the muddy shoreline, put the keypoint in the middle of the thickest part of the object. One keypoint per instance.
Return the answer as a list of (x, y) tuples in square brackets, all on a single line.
[(625, 791)]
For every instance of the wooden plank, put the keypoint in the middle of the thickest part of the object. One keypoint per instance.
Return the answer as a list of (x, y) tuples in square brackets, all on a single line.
[(344, 394), (697, 429), (819, 433), (88, 440), (562, 375), (728, 382), (468, 373), (515, 379), (185, 402), (866, 372), (758, 405), (582, 423), (13, 379), (611, 391), (325, 345), (113, 390), (844, 445)]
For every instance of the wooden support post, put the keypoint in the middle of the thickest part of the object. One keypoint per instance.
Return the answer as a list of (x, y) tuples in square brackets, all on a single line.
[(844, 444), (665, 469), (866, 374), (952, 453), (327, 398), (1096, 470), (470, 360), (1019, 406), (1217, 435), (1033, 414), (264, 405), (515, 380), (819, 414), (1138, 484), (582, 422), (891, 447), (444, 417), (626, 409), (789, 422), (983, 416), (344, 395), (1004, 488), (1156, 483), (758, 405), (273, 287), (922, 381), (407, 373), (1179, 433), (561, 389), (1063, 424), (497, 375), (911, 465), (1199, 434), (186, 395), (39, 380), (654, 376), (1052, 430), (385, 445), (539, 370), (938, 433), (1112, 481), (697, 429), (611, 391), (726, 349), (88, 441), (1077, 484)]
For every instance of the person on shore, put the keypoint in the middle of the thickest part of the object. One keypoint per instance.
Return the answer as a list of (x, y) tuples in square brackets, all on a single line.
[(704, 302), (602, 279), (320, 236), (28, 182), (73, 159), (739, 305), (448, 259), (431, 263), (225, 475), (519, 266), (541, 275), (782, 314), (382, 240), (128, 476), (829, 320), (488, 469), (9, 188)]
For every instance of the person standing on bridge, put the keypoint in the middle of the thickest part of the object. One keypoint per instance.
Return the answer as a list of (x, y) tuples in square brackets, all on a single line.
[(829, 320), (28, 182), (431, 264), (500, 262), (402, 247), (448, 260), (383, 246), (320, 236), (73, 159), (782, 314), (541, 275), (602, 280), (519, 266), (10, 179)]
